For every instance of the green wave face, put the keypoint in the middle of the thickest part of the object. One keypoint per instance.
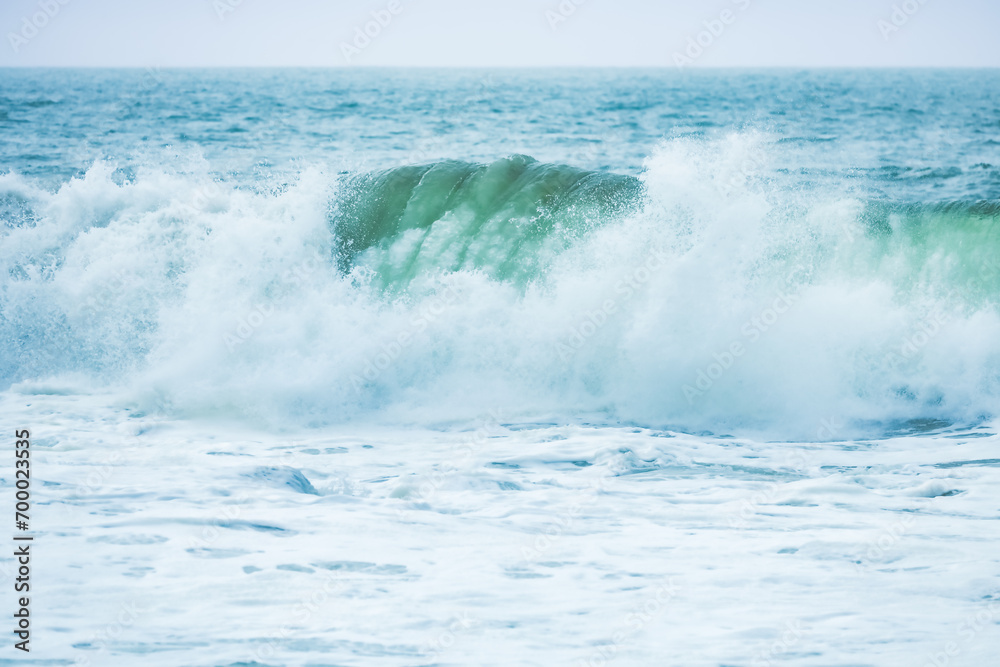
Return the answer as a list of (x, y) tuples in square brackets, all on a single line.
[(947, 250), (510, 219), (507, 219)]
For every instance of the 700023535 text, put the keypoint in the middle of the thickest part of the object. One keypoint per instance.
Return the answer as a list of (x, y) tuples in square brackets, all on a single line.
[(22, 543)]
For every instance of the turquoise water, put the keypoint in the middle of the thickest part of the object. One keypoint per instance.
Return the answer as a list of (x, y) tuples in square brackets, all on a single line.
[(914, 135), (716, 250)]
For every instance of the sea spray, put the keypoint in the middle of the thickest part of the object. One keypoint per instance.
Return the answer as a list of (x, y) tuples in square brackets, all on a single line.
[(126, 283)]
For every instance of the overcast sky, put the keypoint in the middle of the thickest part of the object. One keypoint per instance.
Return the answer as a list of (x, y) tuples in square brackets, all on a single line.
[(165, 33)]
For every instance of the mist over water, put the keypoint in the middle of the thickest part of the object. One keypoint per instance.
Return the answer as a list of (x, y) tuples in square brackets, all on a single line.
[(706, 264)]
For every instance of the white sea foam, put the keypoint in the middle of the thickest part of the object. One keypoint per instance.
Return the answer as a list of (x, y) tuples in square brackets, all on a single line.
[(722, 302)]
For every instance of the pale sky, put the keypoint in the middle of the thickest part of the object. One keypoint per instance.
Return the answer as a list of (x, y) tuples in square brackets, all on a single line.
[(510, 33)]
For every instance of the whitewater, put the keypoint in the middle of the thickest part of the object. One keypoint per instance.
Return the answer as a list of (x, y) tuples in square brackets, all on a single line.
[(505, 367)]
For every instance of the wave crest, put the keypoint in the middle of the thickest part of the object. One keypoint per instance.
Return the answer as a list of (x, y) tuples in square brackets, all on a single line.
[(700, 295)]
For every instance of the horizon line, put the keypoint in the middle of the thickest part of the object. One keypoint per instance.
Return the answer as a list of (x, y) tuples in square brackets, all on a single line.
[(514, 67)]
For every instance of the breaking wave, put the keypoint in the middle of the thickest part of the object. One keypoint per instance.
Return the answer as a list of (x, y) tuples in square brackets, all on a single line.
[(699, 295)]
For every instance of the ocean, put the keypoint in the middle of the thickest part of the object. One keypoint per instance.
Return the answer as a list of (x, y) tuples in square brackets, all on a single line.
[(450, 367)]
